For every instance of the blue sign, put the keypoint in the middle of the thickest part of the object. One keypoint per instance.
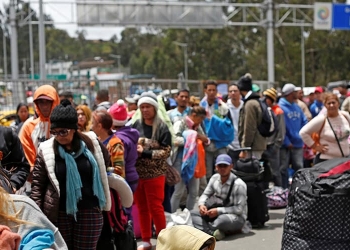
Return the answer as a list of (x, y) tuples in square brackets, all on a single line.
[(341, 17)]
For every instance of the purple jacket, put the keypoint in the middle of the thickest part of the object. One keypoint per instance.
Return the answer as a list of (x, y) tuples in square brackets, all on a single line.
[(129, 137)]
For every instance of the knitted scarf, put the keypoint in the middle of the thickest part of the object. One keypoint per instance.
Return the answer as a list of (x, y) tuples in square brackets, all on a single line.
[(73, 181)]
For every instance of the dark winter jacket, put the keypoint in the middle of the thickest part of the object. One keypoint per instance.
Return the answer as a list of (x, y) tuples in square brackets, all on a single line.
[(46, 190), (12, 157)]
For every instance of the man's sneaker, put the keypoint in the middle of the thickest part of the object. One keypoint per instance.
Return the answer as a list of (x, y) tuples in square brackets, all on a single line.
[(218, 234)]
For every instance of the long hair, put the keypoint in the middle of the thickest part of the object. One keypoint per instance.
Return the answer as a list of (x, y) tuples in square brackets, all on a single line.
[(87, 112), (20, 105), (6, 204)]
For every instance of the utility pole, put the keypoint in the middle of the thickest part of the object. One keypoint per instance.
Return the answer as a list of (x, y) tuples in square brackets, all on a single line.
[(17, 88), (302, 58), (42, 43), (184, 46), (4, 49), (14, 45), (270, 43), (31, 52)]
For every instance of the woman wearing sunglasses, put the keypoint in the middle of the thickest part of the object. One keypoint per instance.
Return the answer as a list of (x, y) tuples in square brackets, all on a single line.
[(70, 180)]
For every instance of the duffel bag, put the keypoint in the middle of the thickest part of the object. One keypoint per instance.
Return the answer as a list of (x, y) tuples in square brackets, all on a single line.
[(317, 215)]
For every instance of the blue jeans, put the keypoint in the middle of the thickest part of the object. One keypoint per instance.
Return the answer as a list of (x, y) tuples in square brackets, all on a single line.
[(293, 156)]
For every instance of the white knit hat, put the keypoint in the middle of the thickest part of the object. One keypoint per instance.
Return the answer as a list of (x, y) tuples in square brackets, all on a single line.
[(149, 98)]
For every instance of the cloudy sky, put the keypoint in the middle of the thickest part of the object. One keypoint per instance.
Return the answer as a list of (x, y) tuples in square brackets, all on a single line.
[(64, 14)]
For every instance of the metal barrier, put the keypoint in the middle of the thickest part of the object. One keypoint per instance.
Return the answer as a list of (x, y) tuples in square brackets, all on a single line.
[(13, 92)]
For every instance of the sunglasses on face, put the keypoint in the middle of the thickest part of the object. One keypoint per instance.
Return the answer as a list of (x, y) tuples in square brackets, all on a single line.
[(223, 166), (62, 133)]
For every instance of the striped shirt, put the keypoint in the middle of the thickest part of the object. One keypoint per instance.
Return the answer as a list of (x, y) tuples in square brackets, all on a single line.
[(115, 148), (238, 199)]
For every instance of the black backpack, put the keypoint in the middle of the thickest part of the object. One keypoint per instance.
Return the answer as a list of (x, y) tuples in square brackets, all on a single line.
[(268, 125)]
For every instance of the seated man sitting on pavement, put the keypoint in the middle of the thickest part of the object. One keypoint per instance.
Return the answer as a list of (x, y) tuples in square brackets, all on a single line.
[(223, 204)]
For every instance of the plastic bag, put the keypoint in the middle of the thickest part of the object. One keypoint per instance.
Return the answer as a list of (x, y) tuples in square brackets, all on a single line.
[(179, 218)]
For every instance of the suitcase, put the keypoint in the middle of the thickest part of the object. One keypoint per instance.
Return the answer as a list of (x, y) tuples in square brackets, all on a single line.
[(258, 212), (317, 215)]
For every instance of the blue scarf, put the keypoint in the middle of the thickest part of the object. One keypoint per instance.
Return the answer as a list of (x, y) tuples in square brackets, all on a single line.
[(73, 181)]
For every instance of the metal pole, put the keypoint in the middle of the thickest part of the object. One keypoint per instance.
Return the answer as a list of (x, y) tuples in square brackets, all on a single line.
[(42, 44), (17, 88), (302, 57), (186, 61), (14, 45), (270, 43), (24, 67), (4, 45), (119, 63), (31, 53)]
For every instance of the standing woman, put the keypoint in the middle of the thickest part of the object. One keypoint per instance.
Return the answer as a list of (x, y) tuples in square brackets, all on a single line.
[(153, 149), (22, 114), (191, 122), (70, 181), (333, 130), (84, 118), (101, 124)]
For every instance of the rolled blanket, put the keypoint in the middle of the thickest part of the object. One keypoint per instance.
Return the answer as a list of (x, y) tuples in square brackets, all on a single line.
[(190, 155), (37, 240)]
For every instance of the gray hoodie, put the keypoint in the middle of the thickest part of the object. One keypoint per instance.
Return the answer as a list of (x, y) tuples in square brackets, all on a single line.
[(30, 212)]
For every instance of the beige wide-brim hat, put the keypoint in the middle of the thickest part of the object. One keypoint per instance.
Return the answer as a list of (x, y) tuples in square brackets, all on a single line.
[(183, 237), (119, 184)]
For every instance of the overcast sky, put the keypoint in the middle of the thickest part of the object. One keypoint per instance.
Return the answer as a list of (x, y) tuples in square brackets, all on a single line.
[(64, 14)]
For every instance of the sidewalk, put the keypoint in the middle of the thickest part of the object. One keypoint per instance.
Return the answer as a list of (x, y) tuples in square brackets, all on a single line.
[(268, 238)]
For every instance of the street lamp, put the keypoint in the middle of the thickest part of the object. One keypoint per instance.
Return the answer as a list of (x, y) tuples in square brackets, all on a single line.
[(184, 46), (303, 36), (118, 58)]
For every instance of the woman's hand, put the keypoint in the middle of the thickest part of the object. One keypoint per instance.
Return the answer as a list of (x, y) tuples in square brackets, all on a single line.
[(139, 150), (321, 148), (203, 138)]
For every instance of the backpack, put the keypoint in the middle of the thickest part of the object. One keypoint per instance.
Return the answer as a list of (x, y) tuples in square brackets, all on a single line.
[(117, 232), (268, 125)]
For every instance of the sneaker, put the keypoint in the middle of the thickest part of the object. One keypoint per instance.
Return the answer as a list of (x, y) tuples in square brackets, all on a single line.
[(218, 234)]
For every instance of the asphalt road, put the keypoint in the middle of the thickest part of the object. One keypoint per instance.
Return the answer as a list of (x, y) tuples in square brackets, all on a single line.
[(268, 238)]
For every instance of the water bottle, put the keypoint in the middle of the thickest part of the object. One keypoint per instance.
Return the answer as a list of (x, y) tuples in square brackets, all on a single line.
[(247, 227)]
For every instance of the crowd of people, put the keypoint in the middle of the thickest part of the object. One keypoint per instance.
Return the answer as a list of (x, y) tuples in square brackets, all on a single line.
[(55, 164)]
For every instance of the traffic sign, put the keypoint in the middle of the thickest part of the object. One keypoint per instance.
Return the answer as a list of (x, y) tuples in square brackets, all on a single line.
[(329, 16), (341, 17)]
